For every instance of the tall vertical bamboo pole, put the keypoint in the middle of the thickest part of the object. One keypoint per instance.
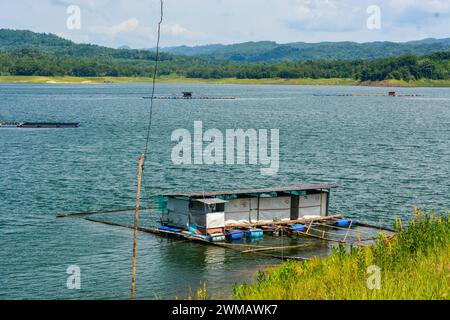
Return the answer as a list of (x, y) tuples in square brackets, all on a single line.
[(136, 223)]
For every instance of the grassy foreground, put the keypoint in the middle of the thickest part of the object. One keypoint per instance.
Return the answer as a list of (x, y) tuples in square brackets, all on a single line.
[(179, 79), (413, 265)]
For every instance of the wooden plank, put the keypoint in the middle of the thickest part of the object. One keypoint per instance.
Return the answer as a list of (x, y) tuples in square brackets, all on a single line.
[(287, 222)]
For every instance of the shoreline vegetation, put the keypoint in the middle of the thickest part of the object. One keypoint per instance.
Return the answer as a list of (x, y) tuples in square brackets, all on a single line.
[(414, 264), (47, 58), (264, 81)]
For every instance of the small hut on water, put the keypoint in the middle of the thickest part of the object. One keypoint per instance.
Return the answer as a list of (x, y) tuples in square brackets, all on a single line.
[(211, 212), (187, 94)]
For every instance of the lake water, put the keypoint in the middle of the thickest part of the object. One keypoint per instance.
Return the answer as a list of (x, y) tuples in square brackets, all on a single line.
[(387, 154)]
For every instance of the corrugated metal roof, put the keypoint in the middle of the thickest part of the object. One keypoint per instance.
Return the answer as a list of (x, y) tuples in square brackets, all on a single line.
[(302, 187)]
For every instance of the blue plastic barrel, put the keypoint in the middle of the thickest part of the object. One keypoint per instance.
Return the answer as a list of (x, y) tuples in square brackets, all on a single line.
[(193, 228), (344, 223), (215, 238), (298, 227), (166, 228), (235, 235), (254, 233)]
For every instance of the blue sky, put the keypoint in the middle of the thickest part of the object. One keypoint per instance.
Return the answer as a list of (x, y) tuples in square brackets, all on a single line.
[(194, 22)]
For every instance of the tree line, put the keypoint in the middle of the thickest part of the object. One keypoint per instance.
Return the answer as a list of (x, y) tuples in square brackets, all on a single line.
[(30, 62)]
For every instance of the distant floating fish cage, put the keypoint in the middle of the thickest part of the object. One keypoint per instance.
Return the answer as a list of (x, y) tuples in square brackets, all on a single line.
[(38, 125), (187, 95)]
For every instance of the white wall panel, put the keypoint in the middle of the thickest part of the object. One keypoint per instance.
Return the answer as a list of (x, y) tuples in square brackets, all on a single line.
[(215, 220), (313, 204)]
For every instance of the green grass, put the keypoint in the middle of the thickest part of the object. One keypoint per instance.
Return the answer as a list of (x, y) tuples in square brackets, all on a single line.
[(171, 79), (179, 79), (69, 80), (414, 265)]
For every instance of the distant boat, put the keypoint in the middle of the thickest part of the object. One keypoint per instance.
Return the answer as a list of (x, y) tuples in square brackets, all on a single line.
[(38, 125)]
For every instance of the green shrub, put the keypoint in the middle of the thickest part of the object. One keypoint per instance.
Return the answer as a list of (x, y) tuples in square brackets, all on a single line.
[(414, 264)]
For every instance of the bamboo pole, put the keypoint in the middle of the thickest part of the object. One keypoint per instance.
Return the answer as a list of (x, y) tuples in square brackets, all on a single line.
[(324, 231), (327, 232), (318, 237), (348, 230), (245, 245), (89, 213), (109, 223), (276, 248), (340, 228), (309, 227), (375, 227), (287, 222), (136, 226), (282, 257)]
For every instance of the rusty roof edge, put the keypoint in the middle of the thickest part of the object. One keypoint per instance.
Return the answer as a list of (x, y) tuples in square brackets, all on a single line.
[(312, 186)]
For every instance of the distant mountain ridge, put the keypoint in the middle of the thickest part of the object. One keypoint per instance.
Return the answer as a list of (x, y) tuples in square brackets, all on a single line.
[(25, 53), (269, 51), (260, 52), (11, 40)]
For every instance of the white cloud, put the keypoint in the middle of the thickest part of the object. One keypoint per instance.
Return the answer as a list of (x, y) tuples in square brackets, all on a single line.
[(123, 27), (326, 15), (177, 30), (303, 13), (230, 21), (426, 6), (133, 28)]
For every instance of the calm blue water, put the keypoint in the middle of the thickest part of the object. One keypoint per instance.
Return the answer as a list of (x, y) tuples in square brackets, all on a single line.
[(387, 154)]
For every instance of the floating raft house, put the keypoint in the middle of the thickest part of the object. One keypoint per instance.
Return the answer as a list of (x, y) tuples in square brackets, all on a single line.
[(225, 218), (214, 212)]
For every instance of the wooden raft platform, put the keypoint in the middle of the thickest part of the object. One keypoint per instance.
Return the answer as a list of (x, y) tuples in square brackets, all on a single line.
[(247, 248), (321, 228), (282, 222)]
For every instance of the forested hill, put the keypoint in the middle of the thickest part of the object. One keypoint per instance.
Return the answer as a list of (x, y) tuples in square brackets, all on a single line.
[(267, 51), (263, 51), (11, 40), (31, 54)]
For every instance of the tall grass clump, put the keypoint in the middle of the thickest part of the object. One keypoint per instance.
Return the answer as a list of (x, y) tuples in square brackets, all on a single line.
[(200, 294), (414, 264)]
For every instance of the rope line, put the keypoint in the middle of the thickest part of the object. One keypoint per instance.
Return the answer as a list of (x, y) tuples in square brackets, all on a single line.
[(145, 192), (155, 72)]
